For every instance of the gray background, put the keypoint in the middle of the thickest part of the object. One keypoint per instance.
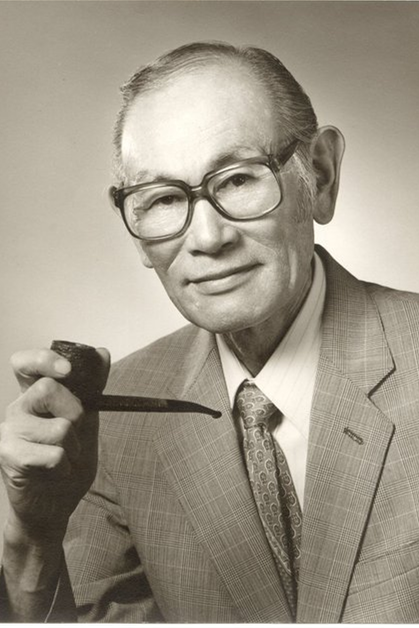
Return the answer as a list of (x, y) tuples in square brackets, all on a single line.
[(68, 268)]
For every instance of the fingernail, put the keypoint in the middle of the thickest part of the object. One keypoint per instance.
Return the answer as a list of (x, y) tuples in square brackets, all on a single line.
[(63, 367)]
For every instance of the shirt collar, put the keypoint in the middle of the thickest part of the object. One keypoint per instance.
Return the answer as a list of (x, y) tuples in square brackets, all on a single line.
[(288, 376)]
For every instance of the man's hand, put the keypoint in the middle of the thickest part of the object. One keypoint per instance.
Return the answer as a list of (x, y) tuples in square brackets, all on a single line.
[(48, 457), (48, 444)]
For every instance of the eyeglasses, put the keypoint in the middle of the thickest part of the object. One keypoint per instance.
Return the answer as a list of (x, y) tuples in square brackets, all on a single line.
[(242, 191)]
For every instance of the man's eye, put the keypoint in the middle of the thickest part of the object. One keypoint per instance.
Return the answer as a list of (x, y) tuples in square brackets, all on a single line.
[(236, 180), (166, 200)]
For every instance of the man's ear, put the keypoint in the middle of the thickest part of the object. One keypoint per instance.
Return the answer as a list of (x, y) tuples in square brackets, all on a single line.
[(111, 191), (327, 153)]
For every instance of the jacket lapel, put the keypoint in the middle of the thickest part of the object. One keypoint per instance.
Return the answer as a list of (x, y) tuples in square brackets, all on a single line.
[(203, 462), (348, 443)]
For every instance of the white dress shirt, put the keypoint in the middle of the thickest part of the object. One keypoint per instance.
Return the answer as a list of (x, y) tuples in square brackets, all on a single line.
[(288, 377)]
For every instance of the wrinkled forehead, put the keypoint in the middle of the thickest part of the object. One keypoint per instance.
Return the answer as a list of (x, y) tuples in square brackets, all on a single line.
[(194, 115)]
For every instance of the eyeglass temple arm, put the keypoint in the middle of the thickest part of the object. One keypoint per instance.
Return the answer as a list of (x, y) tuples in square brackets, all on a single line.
[(281, 159)]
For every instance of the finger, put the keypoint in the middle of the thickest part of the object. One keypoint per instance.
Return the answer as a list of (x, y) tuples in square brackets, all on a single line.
[(30, 365), (58, 431), (48, 397), (22, 459)]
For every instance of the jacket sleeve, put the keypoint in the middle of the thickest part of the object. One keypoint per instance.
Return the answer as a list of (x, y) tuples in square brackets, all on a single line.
[(108, 583), (108, 580), (62, 609)]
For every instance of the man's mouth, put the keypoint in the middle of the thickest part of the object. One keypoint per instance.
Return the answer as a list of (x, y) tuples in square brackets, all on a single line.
[(221, 274), (222, 280)]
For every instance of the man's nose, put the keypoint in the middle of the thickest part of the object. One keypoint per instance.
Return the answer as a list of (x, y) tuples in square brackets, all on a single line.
[(209, 231)]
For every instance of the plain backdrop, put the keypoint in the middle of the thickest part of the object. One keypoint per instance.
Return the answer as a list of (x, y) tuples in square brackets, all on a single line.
[(68, 268)]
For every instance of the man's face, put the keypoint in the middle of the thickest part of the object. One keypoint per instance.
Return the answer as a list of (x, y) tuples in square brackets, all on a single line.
[(223, 276)]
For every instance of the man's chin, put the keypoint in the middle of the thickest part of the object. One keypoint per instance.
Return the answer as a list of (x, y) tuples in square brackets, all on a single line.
[(222, 314), (219, 324)]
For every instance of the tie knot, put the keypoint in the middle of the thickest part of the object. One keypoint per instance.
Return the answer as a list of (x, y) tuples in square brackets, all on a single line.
[(253, 405)]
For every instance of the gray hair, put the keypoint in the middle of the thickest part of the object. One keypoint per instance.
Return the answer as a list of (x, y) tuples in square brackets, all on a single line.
[(294, 110)]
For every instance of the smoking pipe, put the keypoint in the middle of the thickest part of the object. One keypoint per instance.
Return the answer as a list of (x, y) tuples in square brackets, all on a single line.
[(83, 382)]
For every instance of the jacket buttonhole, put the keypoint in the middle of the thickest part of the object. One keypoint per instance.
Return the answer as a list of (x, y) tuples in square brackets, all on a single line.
[(358, 439)]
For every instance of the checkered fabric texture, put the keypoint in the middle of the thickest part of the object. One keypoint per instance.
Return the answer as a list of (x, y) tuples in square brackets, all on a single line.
[(272, 486), (170, 531)]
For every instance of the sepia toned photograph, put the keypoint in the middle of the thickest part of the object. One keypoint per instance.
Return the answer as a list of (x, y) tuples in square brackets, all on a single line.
[(209, 345)]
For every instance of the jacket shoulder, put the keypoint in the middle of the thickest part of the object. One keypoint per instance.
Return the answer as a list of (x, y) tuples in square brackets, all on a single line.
[(394, 303), (399, 314)]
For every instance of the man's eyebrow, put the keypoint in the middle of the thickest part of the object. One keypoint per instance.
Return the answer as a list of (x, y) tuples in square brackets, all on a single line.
[(145, 176), (237, 154), (222, 159)]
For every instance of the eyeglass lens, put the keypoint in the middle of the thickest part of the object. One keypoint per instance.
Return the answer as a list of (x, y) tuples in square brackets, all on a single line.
[(245, 191)]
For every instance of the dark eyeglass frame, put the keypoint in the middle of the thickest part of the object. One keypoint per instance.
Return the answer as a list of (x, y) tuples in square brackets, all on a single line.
[(274, 163)]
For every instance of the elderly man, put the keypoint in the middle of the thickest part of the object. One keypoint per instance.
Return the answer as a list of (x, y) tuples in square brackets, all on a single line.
[(299, 504)]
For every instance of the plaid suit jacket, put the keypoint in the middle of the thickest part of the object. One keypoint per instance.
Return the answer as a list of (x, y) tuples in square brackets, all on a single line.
[(170, 532)]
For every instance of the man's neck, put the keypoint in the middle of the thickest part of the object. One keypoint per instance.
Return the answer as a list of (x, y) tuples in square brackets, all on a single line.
[(254, 346)]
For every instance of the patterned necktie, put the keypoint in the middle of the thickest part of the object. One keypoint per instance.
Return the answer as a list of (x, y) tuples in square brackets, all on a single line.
[(272, 486)]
